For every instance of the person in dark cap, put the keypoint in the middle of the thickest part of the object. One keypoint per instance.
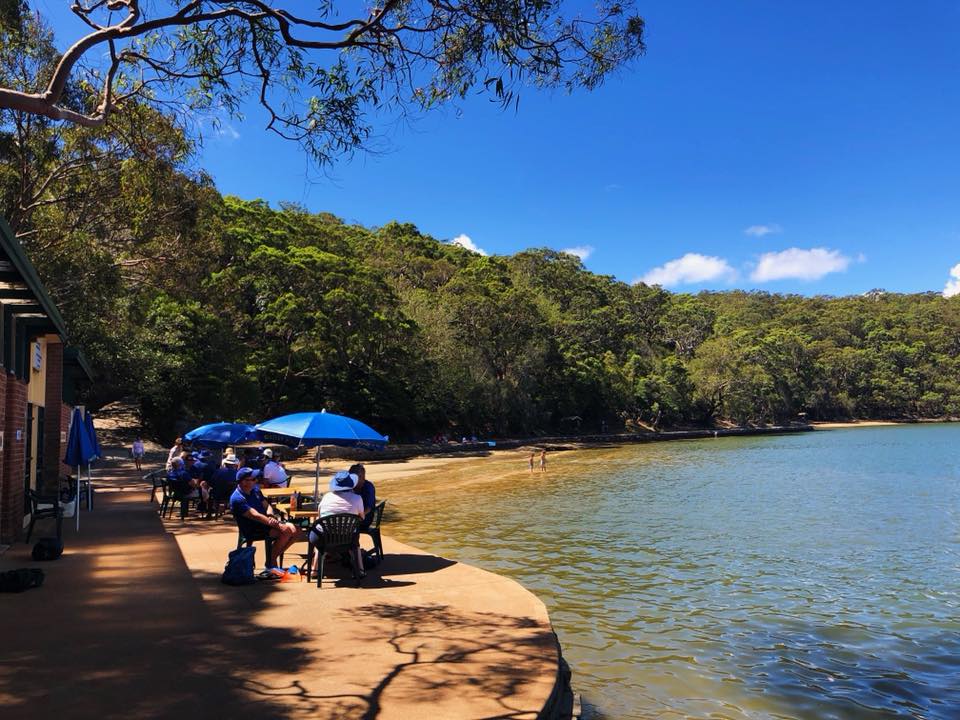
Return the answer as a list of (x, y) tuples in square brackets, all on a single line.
[(256, 520), (367, 493)]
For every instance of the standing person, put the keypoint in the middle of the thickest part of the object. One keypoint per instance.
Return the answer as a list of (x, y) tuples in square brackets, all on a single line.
[(256, 520), (530, 462), (543, 460), (137, 452), (367, 493), (274, 473), (175, 452)]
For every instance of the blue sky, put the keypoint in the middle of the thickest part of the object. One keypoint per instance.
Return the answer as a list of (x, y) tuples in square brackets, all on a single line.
[(803, 147)]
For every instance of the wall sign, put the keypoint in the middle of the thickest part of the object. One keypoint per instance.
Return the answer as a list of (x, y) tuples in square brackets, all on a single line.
[(19, 435), (37, 357)]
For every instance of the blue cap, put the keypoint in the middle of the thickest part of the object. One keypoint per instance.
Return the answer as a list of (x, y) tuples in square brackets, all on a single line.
[(246, 472)]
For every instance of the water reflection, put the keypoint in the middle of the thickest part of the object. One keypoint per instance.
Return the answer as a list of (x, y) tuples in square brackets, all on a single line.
[(791, 577)]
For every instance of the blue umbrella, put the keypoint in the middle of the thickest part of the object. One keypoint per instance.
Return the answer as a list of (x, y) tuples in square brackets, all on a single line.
[(88, 423), (80, 451), (220, 435), (312, 429)]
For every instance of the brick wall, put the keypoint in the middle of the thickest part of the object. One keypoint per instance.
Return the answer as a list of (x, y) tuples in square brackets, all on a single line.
[(11, 491), (52, 419)]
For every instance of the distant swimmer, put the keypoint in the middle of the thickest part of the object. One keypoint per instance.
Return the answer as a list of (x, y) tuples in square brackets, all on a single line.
[(543, 460), (530, 462)]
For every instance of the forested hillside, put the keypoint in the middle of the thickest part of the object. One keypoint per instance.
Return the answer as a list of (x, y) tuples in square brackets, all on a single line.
[(250, 312), (208, 307)]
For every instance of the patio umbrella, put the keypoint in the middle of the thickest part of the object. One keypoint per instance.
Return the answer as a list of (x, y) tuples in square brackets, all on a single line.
[(313, 429), (80, 451), (97, 454), (221, 434), (88, 423)]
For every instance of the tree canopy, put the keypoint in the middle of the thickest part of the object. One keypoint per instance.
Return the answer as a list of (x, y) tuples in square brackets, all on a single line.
[(322, 74)]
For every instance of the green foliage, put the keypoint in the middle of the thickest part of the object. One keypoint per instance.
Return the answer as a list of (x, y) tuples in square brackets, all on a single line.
[(208, 307)]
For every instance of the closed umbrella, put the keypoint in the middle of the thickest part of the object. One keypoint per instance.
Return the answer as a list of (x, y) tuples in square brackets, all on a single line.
[(312, 429), (221, 434), (91, 431), (97, 454), (80, 451)]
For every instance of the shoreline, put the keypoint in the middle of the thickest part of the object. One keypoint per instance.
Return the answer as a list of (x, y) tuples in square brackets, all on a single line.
[(551, 443)]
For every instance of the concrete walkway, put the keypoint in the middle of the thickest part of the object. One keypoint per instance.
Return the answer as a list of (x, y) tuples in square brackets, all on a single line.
[(133, 622)]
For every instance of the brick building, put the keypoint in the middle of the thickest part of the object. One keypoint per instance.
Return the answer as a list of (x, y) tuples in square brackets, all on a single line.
[(37, 387)]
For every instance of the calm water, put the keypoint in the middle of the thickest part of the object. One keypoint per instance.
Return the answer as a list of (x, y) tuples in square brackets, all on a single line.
[(807, 576)]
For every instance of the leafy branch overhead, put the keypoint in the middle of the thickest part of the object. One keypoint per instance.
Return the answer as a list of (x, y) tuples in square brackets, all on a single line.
[(321, 73)]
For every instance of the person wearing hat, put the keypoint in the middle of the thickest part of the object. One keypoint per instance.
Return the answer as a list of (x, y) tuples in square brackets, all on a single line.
[(256, 520), (274, 473), (342, 499), (224, 481)]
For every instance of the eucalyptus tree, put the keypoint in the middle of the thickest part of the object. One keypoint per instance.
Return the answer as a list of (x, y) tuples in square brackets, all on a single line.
[(321, 72)]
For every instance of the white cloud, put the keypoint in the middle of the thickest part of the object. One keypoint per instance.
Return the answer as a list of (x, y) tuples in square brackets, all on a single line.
[(691, 268), (465, 242), (761, 230), (226, 131), (581, 251), (798, 264), (953, 285)]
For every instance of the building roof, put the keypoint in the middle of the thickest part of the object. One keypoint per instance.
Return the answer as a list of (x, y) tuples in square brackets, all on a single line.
[(26, 309)]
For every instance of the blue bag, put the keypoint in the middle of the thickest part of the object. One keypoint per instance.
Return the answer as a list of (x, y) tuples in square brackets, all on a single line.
[(239, 567)]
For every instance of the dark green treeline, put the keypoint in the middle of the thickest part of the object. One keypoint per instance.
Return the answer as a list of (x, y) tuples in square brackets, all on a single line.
[(261, 311)]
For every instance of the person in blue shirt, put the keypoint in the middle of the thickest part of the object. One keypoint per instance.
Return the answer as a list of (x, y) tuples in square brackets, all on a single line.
[(367, 492), (224, 480), (256, 520)]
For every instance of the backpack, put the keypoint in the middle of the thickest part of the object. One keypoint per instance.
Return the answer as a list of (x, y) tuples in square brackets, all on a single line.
[(47, 549), (15, 581), (239, 567)]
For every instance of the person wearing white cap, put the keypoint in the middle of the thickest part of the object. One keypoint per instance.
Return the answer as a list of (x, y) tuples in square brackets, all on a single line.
[(342, 499), (274, 473), (224, 480)]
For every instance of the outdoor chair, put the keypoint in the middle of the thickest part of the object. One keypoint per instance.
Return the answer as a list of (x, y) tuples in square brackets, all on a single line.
[(336, 533), (155, 479), (173, 495), (43, 507), (249, 541), (374, 529), (83, 490)]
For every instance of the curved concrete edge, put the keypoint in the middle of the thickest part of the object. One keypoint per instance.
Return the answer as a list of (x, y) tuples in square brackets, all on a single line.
[(471, 643), (560, 704)]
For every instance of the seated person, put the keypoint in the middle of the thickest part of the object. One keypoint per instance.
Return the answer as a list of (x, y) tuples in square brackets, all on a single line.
[(198, 472), (367, 492), (256, 520), (224, 480), (342, 499), (274, 473), (180, 481)]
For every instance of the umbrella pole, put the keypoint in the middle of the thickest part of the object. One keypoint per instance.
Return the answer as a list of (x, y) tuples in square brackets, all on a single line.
[(89, 489), (316, 480), (76, 500)]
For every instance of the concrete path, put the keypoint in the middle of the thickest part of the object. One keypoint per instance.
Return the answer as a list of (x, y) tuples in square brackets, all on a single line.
[(133, 622)]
